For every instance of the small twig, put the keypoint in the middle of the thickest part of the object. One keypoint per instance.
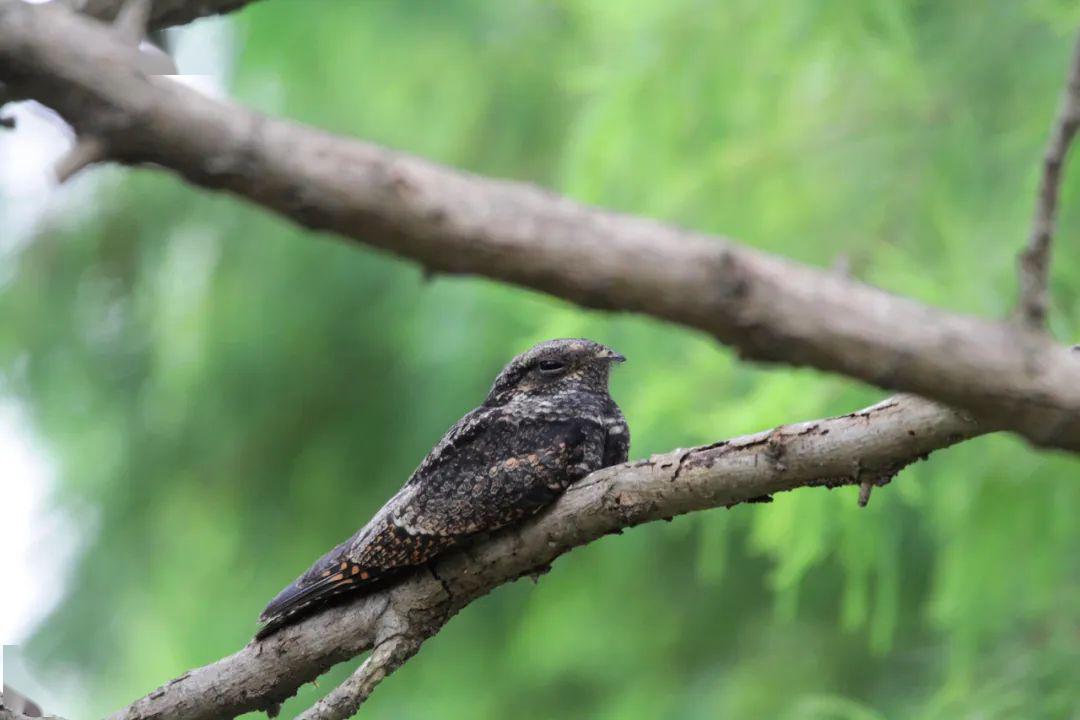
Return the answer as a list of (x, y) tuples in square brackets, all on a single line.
[(87, 151), (344, 700), (1035, 259), (865, 488)]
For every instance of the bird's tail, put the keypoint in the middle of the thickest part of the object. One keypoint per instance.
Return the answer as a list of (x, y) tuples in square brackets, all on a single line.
[(313, 590)]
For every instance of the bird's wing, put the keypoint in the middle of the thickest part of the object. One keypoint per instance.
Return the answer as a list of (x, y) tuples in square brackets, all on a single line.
[(516, 467), (378, 548), (488, 471), (376, 552)]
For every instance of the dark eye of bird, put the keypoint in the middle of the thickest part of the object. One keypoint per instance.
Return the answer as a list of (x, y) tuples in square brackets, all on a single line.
[(551, 367)]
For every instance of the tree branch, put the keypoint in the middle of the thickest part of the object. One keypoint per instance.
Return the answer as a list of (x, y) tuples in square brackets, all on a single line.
[(165, 13), (770, 309), (343, 701), (1035, 260), (873, 444)]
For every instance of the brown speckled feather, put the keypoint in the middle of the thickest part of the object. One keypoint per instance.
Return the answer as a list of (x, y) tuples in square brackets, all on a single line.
[(538, 431)]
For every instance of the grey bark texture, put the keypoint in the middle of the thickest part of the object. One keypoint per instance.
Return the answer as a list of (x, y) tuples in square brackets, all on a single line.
[(770, 309)]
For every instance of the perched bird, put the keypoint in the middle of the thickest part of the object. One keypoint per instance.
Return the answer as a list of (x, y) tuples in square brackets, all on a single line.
[(547, 422)]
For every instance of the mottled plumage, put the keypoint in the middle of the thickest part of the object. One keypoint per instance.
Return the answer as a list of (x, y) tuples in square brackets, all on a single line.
[(547, 422)]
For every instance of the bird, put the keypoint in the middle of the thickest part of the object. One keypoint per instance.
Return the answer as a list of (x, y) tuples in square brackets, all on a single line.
[(548, 421)]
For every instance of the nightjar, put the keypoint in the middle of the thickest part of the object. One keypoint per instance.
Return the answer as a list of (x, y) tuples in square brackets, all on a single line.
[(547, 422)]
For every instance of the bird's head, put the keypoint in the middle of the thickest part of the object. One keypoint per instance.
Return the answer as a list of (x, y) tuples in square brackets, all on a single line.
[(555, 367)]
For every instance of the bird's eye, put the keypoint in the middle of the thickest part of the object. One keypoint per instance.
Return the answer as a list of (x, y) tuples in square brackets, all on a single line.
[(551, 367)]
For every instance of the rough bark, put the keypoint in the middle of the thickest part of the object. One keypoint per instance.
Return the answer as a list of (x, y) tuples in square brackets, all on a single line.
[(871, 445), (769, 308)]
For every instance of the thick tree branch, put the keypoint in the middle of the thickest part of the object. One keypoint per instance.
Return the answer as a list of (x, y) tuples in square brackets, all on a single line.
[(873, 444), (1035, 260), (164, 13), (769, 308)]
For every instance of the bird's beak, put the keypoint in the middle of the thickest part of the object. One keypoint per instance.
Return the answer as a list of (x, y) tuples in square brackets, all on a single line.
[(607, 354)]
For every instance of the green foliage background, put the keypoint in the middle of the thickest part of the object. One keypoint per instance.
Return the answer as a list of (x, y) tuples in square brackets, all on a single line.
[(227, 396)]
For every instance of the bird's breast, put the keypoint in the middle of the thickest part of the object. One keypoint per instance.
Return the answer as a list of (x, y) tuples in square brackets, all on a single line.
[(555, 408)]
